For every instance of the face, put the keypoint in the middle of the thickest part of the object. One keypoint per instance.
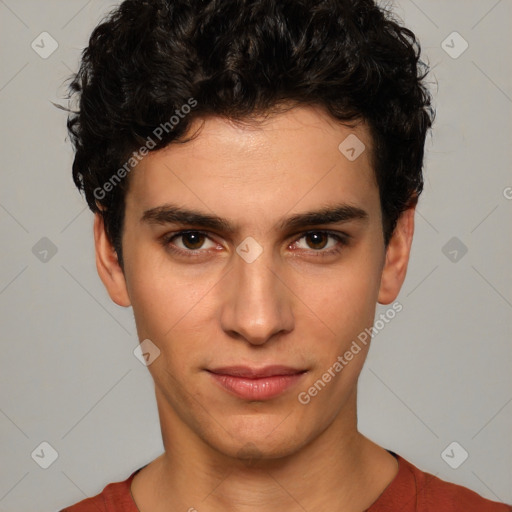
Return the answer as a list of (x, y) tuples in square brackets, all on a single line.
[(253, 258)]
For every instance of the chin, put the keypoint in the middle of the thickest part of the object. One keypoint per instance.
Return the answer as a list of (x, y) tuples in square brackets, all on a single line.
[(267, 443)]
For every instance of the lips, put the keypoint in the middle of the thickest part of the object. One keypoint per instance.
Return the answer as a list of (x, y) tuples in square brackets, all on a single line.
[(255, 373), (251, 383)]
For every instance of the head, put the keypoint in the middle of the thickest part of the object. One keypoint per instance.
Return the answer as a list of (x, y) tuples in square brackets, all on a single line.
[(229, 118)]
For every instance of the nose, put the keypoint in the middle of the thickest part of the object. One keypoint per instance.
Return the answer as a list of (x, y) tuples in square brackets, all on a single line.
[(256, 302)]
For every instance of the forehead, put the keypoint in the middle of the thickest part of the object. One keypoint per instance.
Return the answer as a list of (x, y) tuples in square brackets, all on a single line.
[(287, 162)]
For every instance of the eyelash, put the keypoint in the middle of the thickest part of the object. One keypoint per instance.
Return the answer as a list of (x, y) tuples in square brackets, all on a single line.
[(341, 238)]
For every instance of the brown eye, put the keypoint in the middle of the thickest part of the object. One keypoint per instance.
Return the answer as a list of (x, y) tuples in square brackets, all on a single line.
[(192, 240), (189, 244), (321, 243), (317, 240)]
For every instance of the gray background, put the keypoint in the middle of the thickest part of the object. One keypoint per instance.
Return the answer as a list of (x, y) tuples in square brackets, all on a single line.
[(438, 373)]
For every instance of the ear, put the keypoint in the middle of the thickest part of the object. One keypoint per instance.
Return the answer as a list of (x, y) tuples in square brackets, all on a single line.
[(397, 258), (109, 270)]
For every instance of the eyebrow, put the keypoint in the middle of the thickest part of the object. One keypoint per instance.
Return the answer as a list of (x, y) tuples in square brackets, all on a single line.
[(174, 214)]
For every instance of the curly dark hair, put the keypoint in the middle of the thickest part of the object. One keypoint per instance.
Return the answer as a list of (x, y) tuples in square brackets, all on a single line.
[(239, 59)]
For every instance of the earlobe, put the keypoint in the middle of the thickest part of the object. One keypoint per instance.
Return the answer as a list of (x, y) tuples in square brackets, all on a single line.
[(397, 258), (107, 264)]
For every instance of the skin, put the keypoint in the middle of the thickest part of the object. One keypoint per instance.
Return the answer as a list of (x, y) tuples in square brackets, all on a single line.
[(290, 306)]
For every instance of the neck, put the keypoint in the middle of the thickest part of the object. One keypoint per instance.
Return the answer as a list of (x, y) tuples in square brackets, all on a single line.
[(339, 466)]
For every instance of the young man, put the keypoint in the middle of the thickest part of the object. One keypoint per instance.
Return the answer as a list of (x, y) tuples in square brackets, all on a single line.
[(254, 167)]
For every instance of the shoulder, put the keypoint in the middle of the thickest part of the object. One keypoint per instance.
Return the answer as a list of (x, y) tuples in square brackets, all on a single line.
[(115, 497), (94, 504), (413, 490), (434, 494)]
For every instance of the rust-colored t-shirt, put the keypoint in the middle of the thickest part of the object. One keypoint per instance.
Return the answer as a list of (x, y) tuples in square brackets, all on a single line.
[(411, 490)]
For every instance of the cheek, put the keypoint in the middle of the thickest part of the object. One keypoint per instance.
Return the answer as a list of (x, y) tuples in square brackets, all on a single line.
[(162, 295), (345, 296), (174, 310)]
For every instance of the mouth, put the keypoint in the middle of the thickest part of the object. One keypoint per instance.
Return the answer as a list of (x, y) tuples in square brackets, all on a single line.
[(257, 384)]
